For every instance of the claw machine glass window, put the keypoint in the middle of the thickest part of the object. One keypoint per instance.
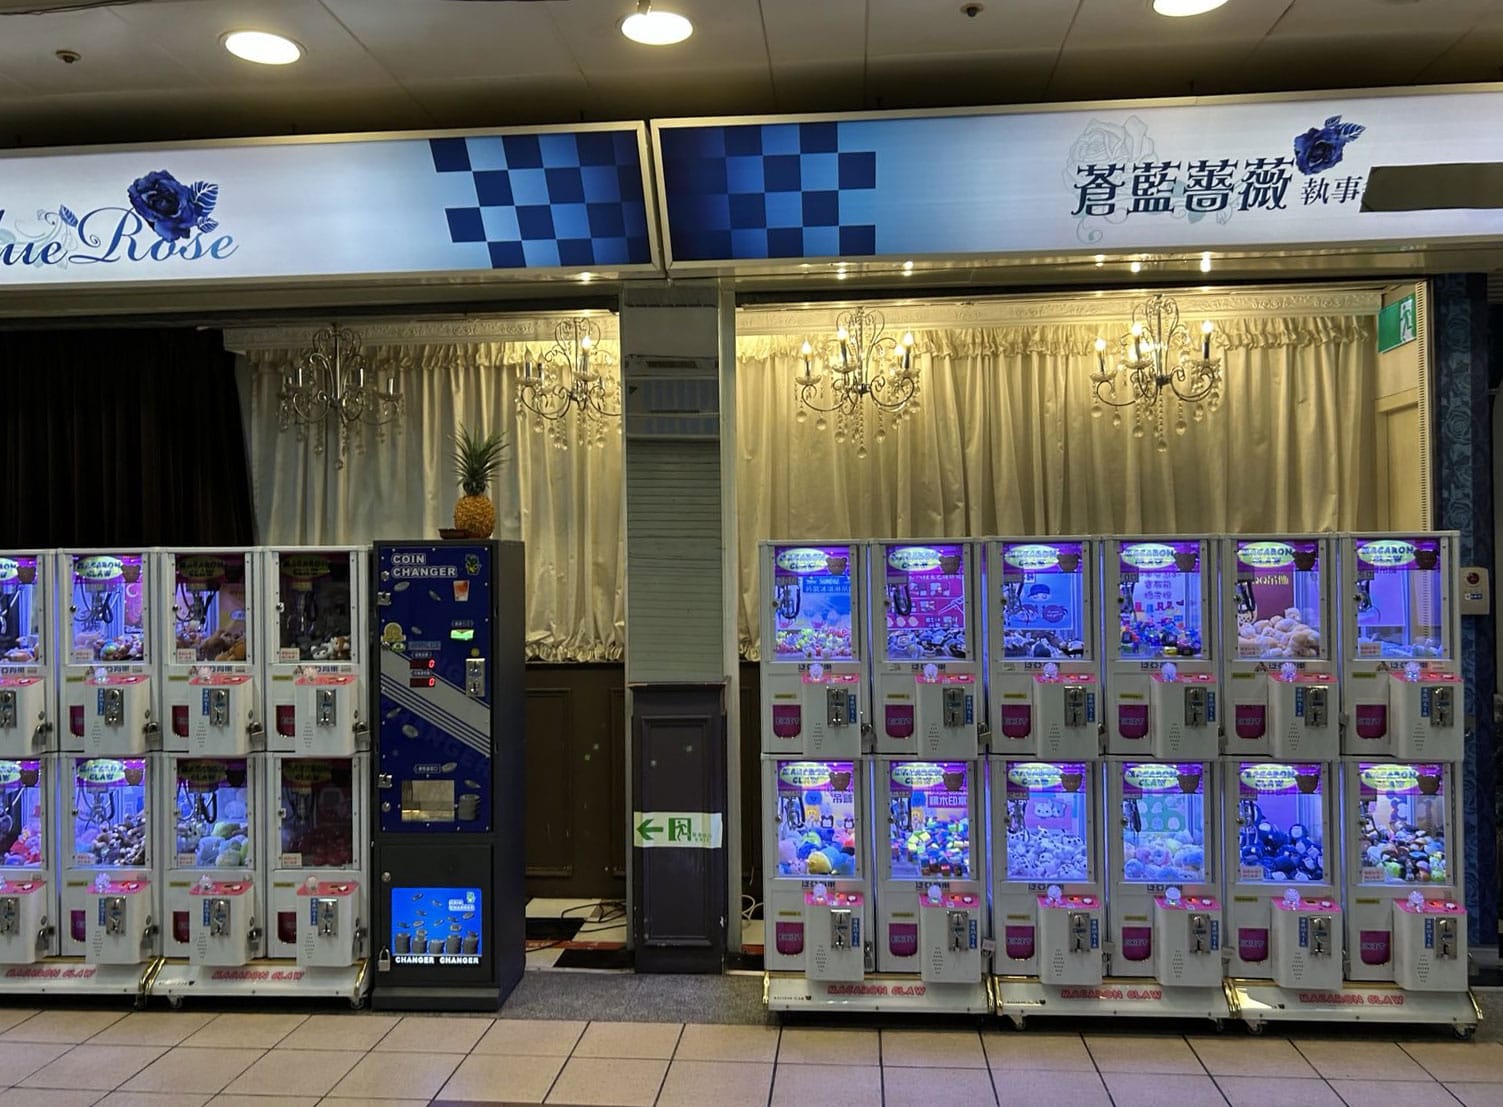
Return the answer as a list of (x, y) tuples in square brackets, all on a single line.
[(1279, 600), (318, 812), (20, 614), (109, 811), (812, 602), (1398, 598), (816, 819), (1401, 823), (1281, 820), (1160, 600), (929, 826), (925, 594), (1047, 828), (213, 820), (313, 596), (108, 609), (1164, 823), (22, 816), (1043, 603), (209, 616)]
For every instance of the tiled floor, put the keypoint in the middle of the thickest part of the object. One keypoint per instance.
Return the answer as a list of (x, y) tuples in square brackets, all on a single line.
[(188, 1059)]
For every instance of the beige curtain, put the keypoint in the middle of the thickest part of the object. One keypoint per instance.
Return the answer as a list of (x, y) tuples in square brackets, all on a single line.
[(565, 504), (1005, 441)]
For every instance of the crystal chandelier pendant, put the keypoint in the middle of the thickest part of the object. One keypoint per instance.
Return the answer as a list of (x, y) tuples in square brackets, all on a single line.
[(569, 385)]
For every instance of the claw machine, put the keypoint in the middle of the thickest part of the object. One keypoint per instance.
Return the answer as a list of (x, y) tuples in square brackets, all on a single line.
[(1048, 910), (815, 777), (108, 697), (1401, 637), (1278, 648), (1042, 652), (317, 831), (447, 858), (1162, 681), (1164, 912), (27, 713), (926, 661), (1282, 858)]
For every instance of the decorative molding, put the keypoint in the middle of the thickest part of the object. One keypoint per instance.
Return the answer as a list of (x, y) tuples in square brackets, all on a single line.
[(1084, 307), (417, 332)]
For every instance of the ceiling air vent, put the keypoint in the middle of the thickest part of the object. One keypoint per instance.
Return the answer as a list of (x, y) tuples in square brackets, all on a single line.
[(671, 397)]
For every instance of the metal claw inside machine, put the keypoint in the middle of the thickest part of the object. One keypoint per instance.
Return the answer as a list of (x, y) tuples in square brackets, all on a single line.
[(1401, 636), (1042, 656), (1163, 906), (926, 690), (107, 692), (27, 725), (1278, 648), (1161, 675), (814, 681), (208, 602)]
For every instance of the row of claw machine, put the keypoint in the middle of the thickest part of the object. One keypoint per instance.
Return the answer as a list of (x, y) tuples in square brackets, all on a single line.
[(184, 768), (1207, 776)]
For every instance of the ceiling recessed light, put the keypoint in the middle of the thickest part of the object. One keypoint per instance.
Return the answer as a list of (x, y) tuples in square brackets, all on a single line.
[(262, 47), (1186, 7), (658, 28)]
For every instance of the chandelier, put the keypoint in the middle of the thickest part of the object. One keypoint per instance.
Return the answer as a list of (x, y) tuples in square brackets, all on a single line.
[(1158, 364), (571, 376), (331, 377), (863, 365)]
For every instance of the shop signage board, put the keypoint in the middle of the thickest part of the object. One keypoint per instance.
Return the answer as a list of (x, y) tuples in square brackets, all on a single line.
[(514, 200), (1205, 175), (1396, 324)]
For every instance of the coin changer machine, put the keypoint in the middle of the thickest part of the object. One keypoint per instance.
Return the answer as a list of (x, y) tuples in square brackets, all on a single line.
[(1406, 932), (816, 847), (448, 853), (1162, 679), (1042, 649)]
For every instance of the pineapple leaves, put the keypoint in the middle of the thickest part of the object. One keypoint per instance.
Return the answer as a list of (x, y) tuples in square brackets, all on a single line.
[(476, 458)]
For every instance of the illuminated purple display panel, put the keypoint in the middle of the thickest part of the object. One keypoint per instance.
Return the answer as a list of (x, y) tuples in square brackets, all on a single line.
[(1281, 811), (208, 607), (1047, 822), (929, 826), (1401, 823), (1278, 600), (1160, 600), (816, 819), (925, 601), (1043, 600), (313, 597), (812, 602), (108, 602), (22, 817), (1163, 823), (20, 614), (1398, 597), (214, 828), (109, 811)]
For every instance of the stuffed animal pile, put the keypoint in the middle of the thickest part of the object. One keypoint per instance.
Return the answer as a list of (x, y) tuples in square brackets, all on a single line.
[(810, 843), (1406, 853), (1286, 636), (1284, 855)]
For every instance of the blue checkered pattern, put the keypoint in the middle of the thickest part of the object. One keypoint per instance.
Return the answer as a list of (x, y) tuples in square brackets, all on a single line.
[(779, 190), (547, 200)]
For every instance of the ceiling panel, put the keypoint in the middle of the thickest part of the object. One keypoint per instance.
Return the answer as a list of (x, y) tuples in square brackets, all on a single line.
[(1359, 17), (1333, 62), (1096, 75), (727, 38), (971, 81), (113, 54), (507, 101), (1134, 25), (903, 28), (420, 41), (1477, 57), (815, 87), (737, 92), (830, 31)]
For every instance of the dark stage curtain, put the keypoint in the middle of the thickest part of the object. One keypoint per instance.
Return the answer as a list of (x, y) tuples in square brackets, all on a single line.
[(116, 439)]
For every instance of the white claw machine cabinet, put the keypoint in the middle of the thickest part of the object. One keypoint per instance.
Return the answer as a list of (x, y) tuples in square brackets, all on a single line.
[(817, 898), (1162, 681), (108, 695), (317, 838), (1043, 648), (27, 712), (1164, 913), (1278, 648)]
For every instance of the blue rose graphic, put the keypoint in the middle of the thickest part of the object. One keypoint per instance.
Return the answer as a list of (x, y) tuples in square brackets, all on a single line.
[(172, 209), (1318, 149)]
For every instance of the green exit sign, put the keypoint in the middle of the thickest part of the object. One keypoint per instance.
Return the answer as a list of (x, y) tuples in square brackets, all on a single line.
[(1396, 324)]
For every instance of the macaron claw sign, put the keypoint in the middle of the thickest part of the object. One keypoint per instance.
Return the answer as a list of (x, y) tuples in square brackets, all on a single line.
[(1265, 555)]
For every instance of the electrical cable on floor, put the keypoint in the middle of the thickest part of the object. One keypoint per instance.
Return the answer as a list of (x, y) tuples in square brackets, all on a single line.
[(611, 910)]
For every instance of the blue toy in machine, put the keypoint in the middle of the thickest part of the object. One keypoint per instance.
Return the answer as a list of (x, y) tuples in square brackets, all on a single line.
[(1281, 808)]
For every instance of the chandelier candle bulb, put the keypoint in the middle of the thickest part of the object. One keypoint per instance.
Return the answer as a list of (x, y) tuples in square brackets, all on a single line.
[(1137, 341), (1205, 342)]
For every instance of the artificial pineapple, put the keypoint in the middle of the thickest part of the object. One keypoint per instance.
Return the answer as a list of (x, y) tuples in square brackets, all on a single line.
[(476, 460)]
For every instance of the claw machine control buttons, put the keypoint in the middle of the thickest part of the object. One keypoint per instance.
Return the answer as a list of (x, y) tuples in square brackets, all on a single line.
[(1184, 709), (23, 921), (222, 926), (1070, 937), (118, 921), (949, 936), (329, 927), (834, 919), (1424, 713), (1187, 940), (1305, 946), (1429, 944)]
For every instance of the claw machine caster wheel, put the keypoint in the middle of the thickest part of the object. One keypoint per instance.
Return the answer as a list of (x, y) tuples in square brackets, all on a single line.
[(175, 1002), (1257, 1027), (1464, 1032), (358, 1003)]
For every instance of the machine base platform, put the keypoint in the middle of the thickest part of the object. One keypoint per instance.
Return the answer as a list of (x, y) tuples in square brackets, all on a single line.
[(75, 976), (793, 992), (1021, 998), (176, 981), (1259, 1002)]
